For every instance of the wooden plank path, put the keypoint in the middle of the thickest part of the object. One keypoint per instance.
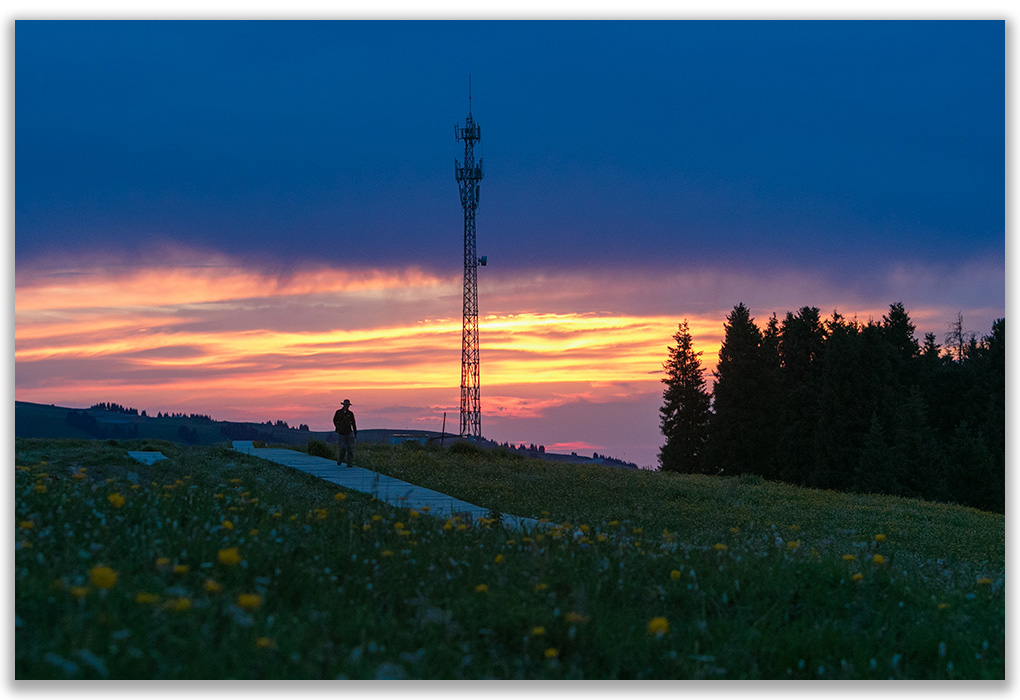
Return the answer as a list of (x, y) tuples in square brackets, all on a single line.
[(385, 488)]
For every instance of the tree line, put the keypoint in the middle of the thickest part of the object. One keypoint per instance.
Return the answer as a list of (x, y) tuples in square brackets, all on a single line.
[(839, 404)]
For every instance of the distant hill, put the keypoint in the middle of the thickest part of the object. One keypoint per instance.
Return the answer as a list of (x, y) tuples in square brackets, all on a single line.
[(114, 422)]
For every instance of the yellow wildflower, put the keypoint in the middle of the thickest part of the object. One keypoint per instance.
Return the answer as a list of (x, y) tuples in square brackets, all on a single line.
[(229, 556), (793, 544), (574, 618), (878, 559), (26, 524), (339, 496), (537, 631), (734, 530), (264, 643), (376, 518), (858, 577), (228, 525), (880, 538), (943, 606), (539, 587), (551, 653), (249, 601), (79, 592), (145, 598), (116, 500), (212, 586), (180, 568), (719, 547), (178, 604), (984, 581), (849, 557), (499, 559), (658, 626), (40, 488), (79, 475), (103, 577), (481, 588), (162, 561), (386, 553)]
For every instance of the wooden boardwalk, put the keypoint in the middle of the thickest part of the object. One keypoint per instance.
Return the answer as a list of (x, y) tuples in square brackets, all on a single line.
[(385, 488)]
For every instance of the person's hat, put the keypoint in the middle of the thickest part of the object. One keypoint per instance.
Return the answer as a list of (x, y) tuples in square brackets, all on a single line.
[(347, 402)]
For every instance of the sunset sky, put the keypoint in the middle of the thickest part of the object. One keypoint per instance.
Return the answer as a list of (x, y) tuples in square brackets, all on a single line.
[(256, 220)]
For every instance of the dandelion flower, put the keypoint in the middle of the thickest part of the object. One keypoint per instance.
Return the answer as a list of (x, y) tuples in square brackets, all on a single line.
[(943, 606), (212, 586), (539, 587), (180, 568), (849, 557), (880, 538), (339, 496), (537, 631), (26, 524), (858, 577), (162, 561), (551, 653), (103, 577), (719, 547), (386, 553), (481, 588), (658, 626), (793, 544), (574, 618), (179, 604), (734, 530), (116, 500), (229, 556), (40, 488), (228, 525), (984, 581), (146, 598), (499, 559), (878, 559), (264, 643), (376, 518), (249, 601), (79, 592), (675, 575)]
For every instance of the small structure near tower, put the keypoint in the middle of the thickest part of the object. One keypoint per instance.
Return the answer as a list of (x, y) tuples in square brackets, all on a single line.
[(468, 176)]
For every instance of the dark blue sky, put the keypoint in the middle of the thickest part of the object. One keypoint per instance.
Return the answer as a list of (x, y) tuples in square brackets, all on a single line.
[(607, 145)]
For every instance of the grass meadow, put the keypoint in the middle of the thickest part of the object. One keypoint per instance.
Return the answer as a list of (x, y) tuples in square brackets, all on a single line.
[(213, 564)]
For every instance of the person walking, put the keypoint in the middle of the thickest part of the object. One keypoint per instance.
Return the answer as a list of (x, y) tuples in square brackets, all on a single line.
[(347, 432)]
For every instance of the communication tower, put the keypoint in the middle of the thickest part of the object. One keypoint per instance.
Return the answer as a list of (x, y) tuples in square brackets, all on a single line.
[(468, 176)]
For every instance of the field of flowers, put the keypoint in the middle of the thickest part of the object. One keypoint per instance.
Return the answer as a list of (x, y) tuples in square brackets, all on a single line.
[(213, 564)]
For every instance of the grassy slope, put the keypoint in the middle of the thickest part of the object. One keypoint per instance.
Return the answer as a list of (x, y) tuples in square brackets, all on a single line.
[(752, 579)]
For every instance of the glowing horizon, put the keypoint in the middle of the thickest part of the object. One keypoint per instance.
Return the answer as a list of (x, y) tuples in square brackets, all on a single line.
[(263, 346)]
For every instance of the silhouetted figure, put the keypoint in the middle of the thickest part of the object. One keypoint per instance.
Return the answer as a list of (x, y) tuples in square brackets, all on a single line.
[(347, 432)]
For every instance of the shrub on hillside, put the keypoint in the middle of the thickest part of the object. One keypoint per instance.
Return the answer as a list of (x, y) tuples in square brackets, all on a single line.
[(318, 448), (462, 447)]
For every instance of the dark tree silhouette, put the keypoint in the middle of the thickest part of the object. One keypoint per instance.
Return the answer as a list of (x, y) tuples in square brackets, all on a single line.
[(685, 411)]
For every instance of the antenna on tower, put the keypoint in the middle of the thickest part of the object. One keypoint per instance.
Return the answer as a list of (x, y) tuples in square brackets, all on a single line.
[(468, 176)]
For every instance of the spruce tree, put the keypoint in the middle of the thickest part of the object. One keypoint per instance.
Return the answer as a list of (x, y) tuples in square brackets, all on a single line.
[(686, 409), (737, 430)]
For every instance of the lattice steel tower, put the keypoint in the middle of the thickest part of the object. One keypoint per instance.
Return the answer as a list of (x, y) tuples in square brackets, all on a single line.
[(468, 176)]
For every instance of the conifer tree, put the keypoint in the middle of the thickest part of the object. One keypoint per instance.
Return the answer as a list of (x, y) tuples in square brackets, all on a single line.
[(737, 430), (686, 408)]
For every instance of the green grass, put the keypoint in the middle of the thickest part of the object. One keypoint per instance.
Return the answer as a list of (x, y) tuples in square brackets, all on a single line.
[(752, 578)]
